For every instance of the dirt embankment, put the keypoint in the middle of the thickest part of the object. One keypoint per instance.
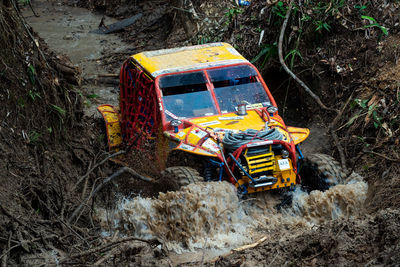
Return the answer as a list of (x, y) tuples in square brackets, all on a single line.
[(348, 54), (46, 148)]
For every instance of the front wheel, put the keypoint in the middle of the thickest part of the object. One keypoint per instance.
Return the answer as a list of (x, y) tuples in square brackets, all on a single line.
[(182, 175), (320, 172)]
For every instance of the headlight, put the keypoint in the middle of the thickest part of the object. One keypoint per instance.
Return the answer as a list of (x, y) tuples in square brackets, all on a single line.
[(272, 109), (285, 154), (176, 123)]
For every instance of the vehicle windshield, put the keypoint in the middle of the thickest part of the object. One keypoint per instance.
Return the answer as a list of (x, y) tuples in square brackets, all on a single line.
[(238, 85), (186, 96)]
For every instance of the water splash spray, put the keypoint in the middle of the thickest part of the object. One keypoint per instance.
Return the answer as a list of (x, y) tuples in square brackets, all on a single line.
[(210, 215)]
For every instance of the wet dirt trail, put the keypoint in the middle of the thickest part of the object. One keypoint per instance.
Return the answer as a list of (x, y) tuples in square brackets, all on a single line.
[(201, 221), (67, 30)]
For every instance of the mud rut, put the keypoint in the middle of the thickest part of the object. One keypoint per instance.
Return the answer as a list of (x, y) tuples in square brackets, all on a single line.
[(201, 221), (67, 31)]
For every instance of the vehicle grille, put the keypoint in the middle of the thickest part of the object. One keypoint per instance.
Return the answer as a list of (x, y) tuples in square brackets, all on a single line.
[(260, 163)]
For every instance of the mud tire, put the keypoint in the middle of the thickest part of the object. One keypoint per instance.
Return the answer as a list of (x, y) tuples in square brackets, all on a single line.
[(320, 172), (182, 175)]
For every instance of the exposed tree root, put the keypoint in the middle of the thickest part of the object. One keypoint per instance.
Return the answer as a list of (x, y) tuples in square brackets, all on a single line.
[(282, 61), (103, 183), (107, 247), (334, 135)]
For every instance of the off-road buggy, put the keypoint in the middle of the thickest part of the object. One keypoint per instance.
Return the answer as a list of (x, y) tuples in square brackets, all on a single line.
[(209, 116)]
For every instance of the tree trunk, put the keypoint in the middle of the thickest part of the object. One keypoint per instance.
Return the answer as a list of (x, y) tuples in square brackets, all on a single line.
[(187, 15)]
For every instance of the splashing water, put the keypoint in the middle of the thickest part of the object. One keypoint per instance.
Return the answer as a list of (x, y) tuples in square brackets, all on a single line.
[(210, 215)]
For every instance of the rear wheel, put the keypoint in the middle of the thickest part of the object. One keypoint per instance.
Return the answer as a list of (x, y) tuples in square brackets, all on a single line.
[(182, 175), (320, 172)]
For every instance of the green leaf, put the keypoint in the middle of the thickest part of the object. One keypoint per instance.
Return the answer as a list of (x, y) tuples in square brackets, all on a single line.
[(371, 109), (368, 18), (363, 103), (351, 121), (31, 74), (384, 30), (360, 7), (262, 52), (376, 117), (92, 96), (60, 110)]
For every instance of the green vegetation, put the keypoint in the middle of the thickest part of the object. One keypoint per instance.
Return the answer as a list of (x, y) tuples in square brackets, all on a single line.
[(60, 111), (33, 95), (367, 109), (279, 9), (268, 51), (374, 23), (231, 13), (313, 21), (31, 73)]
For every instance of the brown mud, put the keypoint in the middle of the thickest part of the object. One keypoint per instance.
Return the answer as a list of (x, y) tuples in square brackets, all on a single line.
[(67, 30), (50, 147)]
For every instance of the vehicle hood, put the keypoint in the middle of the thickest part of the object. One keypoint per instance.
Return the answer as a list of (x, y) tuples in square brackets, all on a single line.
[(200, 134)]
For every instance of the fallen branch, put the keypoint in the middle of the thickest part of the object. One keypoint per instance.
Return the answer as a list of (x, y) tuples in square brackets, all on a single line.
[(71, 74), (33, 11), (239, 249), (117, 26), (383, 156), (58, 217), (5, 252), (106, 257), (12, 216), (251, 245), (282, 61), (90, 170), (334, 135), (23, 243), (106, 181), (95, 166), (108, 246)]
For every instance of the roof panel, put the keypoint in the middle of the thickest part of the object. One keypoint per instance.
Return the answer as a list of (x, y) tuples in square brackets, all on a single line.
[(188, 58)]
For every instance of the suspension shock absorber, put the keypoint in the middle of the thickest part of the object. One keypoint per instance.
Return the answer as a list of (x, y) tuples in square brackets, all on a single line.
[(208, 171)]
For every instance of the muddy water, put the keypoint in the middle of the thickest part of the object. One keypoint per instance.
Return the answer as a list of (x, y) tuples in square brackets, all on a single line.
[(67, 31), (204, 220)]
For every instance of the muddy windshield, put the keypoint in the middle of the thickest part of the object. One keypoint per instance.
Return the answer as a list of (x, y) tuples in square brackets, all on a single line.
[(186, 96), (237, 85)]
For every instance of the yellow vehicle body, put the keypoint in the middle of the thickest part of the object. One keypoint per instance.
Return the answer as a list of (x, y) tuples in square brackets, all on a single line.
[(187, 58), (190, 141), (199, 134), (113, 126)]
